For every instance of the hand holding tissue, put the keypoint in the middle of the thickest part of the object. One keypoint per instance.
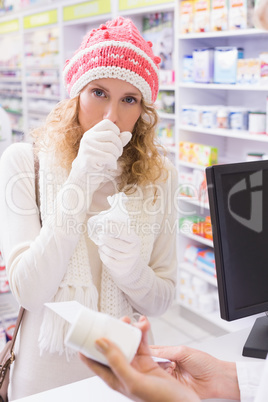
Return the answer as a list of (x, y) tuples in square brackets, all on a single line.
[(99, 150), (119, 245)]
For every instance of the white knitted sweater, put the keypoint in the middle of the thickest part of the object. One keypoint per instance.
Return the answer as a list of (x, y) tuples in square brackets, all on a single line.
[(37, 262)]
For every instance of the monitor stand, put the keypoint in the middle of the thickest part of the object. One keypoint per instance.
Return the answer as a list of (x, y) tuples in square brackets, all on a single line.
[(257, 343)]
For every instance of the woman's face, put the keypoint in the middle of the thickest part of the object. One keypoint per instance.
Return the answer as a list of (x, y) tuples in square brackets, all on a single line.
[(109, 98)]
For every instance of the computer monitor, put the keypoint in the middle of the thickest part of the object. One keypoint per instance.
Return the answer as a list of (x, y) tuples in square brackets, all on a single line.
[(238, 200)]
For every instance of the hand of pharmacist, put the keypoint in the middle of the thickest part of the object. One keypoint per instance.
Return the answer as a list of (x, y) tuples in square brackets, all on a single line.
[(207, 376), (119, 248), (143, 379), (99, 150)]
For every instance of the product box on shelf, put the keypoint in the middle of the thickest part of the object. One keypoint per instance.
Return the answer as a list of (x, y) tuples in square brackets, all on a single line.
[(225, 64), (219, 15), (264, 67), (201, 15), (187, 68), (186, 16), (158, 29), (267, 115), (199, 154), (203, 60), (257, 122), (241, 14), (204, 155), (248, 71), (238, 118), (165, 133), (206, 261), (165, 101)]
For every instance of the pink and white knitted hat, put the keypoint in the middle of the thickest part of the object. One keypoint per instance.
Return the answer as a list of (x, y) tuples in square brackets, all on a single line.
[(114, 50)]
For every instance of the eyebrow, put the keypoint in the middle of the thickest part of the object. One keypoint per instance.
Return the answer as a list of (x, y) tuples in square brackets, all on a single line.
[(107, 90)]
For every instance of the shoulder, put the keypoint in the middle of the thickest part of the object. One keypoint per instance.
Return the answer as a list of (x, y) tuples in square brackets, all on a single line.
[(170, 170), (18, 156)]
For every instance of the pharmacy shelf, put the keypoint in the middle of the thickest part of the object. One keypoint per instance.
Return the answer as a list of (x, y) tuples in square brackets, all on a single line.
[(165, 87), (242, 134), (199, 239), (8, 302), (224, 87), (168, 116), (224, 34), (229, 326), (186, 266), (192, 165), (40, 96), (193, 201), (148, 9)]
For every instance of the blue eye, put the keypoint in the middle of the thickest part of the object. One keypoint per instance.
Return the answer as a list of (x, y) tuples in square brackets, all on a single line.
[(98, 92), (130, 99)]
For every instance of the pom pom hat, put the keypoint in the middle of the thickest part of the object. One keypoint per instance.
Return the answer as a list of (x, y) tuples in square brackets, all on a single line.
[(114, 50)]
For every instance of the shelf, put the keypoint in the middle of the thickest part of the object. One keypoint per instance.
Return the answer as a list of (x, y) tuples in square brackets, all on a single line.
[(193, 201), (10, 68), (7, 95), (10, 79), (8, 302), (18, 112), (223, 34), (243, 134), (230, 326), (47, 97), (148, 9), (199, 239), (167, 87), (186, 266), (192, 165), (168, 116), (228, 87), (42, 80)]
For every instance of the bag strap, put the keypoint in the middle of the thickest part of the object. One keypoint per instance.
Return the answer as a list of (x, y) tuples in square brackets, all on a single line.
[(22, 309)]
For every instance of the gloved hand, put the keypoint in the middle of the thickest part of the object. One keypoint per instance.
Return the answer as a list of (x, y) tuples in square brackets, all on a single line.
[(119, 248), (99, 150)]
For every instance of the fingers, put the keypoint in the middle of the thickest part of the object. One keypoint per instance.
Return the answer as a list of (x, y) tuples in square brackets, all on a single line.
[(106, 125), (104, 372), (125, 137), (117, 361), (174, 353)]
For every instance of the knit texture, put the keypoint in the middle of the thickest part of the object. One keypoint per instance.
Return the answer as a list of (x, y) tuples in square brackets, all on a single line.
[(114, 50), (77, 283)]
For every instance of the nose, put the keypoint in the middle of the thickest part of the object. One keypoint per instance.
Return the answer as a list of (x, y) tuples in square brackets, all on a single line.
[(111, 112)]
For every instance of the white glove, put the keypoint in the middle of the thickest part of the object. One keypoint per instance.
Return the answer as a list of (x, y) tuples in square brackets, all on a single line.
[(99, 150), (119, 248)]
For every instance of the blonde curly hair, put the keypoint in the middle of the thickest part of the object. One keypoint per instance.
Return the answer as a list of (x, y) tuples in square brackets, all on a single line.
[(141, 160)]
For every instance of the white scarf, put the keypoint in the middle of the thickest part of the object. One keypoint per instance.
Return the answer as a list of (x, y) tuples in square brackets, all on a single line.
[(77, 283)]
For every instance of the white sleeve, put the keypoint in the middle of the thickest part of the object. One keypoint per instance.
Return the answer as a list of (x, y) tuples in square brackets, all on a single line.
[(36, 258), (151, 288), (249, 374)]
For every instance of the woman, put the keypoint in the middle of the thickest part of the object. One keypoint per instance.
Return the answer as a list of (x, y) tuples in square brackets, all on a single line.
[(93, 145)]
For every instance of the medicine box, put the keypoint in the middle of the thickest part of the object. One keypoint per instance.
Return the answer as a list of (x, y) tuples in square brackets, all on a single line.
[(241, 14), (201, 15), (203, 60), (204, 155), (185, 148), (264, 67), (225, 64), (187, 68), (186, 16), (219, 15)]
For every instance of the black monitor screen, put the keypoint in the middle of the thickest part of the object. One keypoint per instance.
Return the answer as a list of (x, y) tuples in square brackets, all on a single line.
[(238, 199)]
